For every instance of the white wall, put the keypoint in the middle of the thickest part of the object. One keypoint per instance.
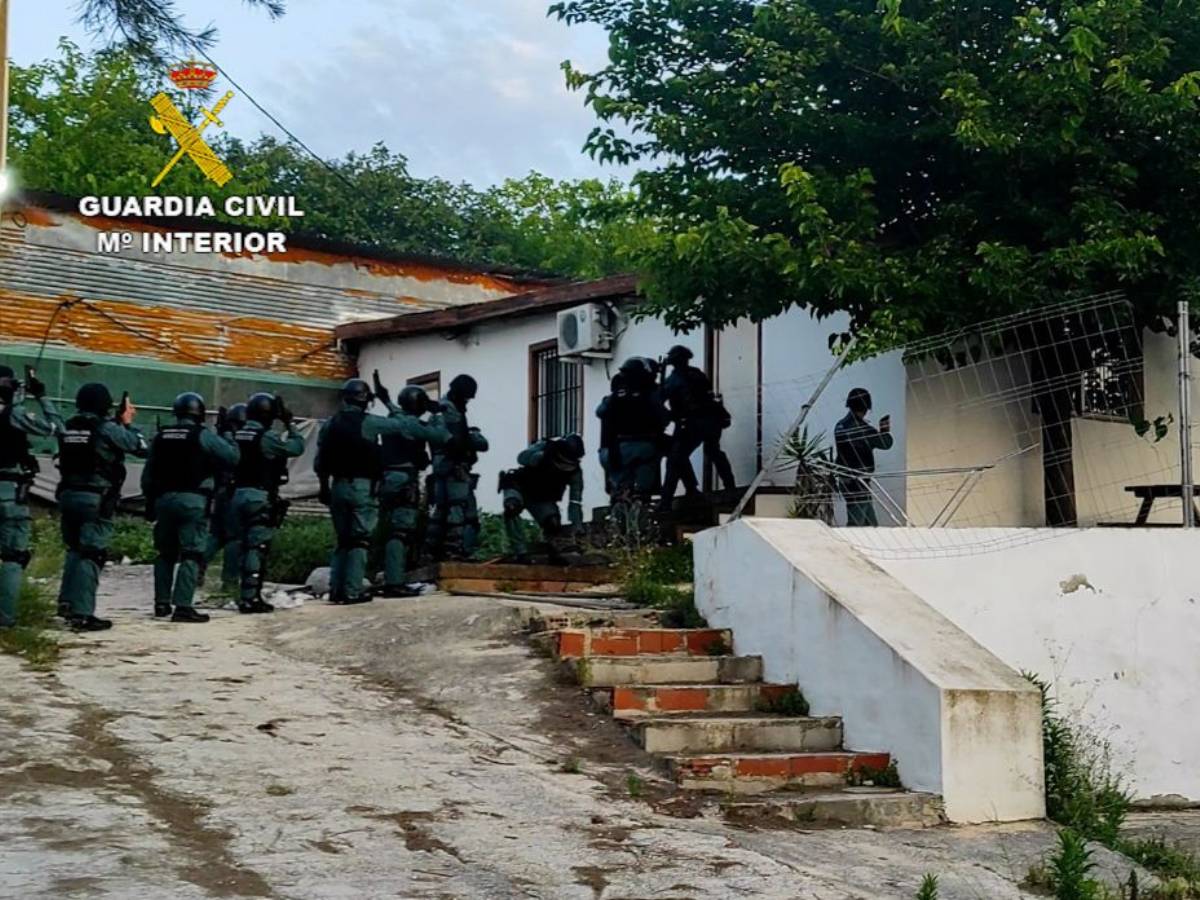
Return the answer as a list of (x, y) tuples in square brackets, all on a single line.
[(795, 357), (860, 645), (1111, 618)]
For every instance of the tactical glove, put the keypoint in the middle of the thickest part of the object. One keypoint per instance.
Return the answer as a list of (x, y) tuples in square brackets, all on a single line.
[(33, 386), (282, 412), (323, 494), (222, 420)]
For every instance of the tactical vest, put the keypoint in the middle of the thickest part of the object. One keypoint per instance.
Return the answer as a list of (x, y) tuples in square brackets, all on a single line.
[(254, 469), (398, 452), (78, 461), (345, 452), (543, 484), (14, 443), (635, 416), (180, 463)]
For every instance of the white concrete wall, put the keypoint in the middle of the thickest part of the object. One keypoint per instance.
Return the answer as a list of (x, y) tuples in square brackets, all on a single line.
[(905, 679), (1109, 617)]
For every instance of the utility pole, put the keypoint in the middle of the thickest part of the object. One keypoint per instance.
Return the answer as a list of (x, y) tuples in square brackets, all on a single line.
[(1185, 416), (3, 98)]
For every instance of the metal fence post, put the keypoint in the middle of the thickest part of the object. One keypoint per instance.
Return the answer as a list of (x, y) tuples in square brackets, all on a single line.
[(1185, 415)]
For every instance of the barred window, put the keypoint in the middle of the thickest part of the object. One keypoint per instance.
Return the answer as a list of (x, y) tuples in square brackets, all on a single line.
[(555, 393), (1111, 390)]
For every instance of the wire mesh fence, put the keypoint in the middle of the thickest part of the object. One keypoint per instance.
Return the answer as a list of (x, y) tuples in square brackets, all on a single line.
[(1063, 416)]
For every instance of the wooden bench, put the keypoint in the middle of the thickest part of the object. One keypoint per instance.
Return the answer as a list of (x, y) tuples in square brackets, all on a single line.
[(1148, 493)]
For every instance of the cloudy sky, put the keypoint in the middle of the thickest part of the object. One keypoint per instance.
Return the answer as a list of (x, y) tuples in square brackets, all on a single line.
[(466, 89)]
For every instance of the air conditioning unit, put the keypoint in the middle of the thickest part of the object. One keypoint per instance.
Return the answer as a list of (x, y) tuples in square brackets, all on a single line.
[(583, 331)]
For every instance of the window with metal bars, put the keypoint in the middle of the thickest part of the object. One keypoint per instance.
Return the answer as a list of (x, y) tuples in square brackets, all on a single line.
[(555, 393)]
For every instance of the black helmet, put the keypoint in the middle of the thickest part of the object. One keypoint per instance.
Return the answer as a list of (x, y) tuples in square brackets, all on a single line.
[(189, 405), (357, 392), (261, 408), (413, 400), (859, 400), (94, 398), (464, 386), (618, 382), (679, 355), (6, 372), (573, 443), (639, 372), (236, 416)]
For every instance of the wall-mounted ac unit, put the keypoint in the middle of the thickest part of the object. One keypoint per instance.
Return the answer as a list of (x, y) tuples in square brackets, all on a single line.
[(584, 331)]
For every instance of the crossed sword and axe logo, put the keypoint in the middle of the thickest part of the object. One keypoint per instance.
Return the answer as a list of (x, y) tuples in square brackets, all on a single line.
[(169, 120)]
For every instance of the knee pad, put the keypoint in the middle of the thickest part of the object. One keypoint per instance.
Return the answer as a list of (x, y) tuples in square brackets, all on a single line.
[(94, 555), (21, 557), (513, 507)]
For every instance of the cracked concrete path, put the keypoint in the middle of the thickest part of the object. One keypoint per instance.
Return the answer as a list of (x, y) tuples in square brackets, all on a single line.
[(399, 749)]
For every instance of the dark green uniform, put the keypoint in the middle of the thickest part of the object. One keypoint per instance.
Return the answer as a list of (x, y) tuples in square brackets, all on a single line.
[(256, 510), (91, 460), (453, 531), (856, 443), (404, 457), (17, 468), (538, 486), (699, 418), (635, 419), (349, 460), (179, 480), (222, 535)]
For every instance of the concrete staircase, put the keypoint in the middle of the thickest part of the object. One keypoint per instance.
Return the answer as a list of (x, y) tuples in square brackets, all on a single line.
[(718, 727)]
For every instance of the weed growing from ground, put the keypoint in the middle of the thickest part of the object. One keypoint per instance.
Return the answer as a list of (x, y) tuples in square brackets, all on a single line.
[(789, 703), (634, 783), (869, 776), (929, 888)]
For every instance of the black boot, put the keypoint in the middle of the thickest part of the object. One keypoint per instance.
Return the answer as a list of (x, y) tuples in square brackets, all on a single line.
[(254, 607), (162, 610), (64, 610), (364, 597), (392, 591), (89, 623), (187, 614)]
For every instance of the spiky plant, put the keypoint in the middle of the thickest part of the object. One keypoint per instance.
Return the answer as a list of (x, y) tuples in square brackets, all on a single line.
[(812, 497)]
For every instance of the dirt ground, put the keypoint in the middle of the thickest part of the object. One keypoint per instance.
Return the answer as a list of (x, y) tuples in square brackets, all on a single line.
[(406, 748)]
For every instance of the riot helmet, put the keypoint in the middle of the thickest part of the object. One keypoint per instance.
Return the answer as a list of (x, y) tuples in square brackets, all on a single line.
[(94, 398), (357, 392), (413, 400), (261, 408), (859, 401), (189, 405)]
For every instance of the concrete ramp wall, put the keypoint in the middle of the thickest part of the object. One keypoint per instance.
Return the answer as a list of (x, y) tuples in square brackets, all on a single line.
[(905, 679), (1109, 617)]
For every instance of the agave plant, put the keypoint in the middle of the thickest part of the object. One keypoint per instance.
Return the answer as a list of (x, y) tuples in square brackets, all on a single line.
[(813, 494)]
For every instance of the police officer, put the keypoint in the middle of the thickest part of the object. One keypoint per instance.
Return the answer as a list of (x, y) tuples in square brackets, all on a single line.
[(17, 469), (609, 455), (222, 534), (856, 441), (404, 456), (178, 483), (699, 418), (547, 469), (91, 463), (453, 531), (349, 465), (256, 510), (638, 420)]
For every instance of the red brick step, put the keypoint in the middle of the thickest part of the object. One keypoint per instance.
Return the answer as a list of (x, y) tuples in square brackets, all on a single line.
[(585, 642), (635, 701), (757, 772)]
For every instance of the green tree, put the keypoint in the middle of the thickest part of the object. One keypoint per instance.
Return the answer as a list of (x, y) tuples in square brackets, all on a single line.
[(918, 164), (80, 127), (148, 28)]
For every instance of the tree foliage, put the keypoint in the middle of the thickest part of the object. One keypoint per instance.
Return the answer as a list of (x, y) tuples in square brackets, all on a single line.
[(79, 127), (916, 163), (148, 28)]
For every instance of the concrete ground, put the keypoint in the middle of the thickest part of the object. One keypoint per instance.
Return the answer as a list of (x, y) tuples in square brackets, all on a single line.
[(406, 748)]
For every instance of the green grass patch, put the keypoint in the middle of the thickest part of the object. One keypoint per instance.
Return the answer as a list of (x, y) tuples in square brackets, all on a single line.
[(929, 888), (33, 638), (661, 578), (301, 545), (789, 703), (1082, 791), (132, 539)]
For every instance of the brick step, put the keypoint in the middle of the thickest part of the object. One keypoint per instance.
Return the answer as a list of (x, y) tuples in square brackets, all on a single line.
[(729, 733), (591, 642), (637, 701), (852, 807), (611, 671), (750, 773)]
